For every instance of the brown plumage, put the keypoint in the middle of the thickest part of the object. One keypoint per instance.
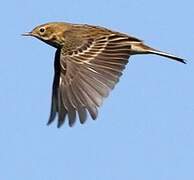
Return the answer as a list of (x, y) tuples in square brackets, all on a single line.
[(88, 63)]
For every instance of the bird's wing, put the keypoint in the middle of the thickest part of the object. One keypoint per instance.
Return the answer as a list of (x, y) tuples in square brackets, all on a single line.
[(87, 75), (55, 100)]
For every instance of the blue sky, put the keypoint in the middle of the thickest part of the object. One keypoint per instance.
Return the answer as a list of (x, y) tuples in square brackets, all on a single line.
[(145, 128)]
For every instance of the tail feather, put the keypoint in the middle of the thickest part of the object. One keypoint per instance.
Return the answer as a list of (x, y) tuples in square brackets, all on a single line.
[(140, 48)]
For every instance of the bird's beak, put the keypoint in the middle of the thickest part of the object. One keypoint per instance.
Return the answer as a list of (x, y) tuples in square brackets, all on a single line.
[(27, 34)]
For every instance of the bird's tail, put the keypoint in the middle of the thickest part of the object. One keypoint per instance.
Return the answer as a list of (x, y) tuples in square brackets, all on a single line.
[(140, 48)]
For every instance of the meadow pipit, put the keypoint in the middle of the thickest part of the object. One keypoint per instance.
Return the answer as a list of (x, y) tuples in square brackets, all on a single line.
[(88, 63)]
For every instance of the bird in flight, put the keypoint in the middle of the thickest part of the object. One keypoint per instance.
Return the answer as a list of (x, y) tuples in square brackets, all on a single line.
[(89, 61)]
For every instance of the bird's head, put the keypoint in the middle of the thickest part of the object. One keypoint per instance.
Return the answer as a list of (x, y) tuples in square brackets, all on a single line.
[(50, 33)]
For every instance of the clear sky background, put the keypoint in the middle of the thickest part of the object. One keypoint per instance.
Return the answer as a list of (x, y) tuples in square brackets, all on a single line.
[(145, 129)]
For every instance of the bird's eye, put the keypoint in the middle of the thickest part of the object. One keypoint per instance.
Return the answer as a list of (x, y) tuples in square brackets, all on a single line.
[(42, 30)]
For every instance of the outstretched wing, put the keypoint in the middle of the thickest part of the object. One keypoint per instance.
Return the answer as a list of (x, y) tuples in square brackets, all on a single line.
[(86, 76)]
